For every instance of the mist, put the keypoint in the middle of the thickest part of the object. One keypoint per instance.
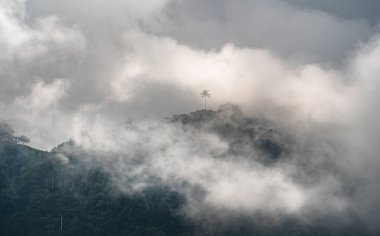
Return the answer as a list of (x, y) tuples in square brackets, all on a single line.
[(306, 71)]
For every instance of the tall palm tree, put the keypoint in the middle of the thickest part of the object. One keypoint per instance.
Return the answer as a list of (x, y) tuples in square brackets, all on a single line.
[(205, 94)]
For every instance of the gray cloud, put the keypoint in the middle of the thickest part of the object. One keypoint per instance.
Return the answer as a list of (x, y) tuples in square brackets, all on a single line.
[(343, 8), (303, 34)]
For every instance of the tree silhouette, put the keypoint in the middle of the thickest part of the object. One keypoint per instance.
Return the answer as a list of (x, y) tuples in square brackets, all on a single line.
[(130, 123), (22, 139), (205, 94)]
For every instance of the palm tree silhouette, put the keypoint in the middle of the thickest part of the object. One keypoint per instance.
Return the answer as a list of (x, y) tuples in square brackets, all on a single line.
[(205, 94)]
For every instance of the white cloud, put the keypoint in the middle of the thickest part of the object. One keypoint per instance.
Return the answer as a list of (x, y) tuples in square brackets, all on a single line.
[(173, 155), (18, 40), (43, 96), (39, 116), (301, 34), (240, 75)]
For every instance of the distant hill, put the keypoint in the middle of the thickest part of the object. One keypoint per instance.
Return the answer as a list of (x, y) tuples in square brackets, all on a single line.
[(229, 123)]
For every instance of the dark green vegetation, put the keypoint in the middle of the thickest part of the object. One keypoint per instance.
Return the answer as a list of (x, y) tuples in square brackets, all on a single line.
[(36, 190), (243, 134), (44, 194)]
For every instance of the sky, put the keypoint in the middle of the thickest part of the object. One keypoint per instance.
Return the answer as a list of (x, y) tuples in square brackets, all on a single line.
[(76, 69), (132, 58)]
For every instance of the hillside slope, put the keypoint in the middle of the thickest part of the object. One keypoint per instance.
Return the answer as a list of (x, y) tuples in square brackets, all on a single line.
[(58, 193)]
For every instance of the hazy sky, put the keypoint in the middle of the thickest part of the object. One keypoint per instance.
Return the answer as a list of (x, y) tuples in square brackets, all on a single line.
[(151, 58)]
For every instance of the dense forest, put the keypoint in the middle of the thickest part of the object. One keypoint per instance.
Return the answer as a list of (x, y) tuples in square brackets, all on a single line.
[(37, 192), (41, 194)]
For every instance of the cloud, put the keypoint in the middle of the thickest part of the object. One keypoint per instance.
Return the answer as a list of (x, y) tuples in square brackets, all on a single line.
[(42, 96), (39, 112), (301, 34), (365, 150), (321, 108), (34, 54), (343, 8), (201, 165), (28, 49), (23, 42), (79, 70), (161, 150), (249, 77)]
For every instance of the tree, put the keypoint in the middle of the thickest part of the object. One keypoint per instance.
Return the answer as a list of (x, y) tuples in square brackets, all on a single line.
[(130, 123), (22, 139), (205, 94)]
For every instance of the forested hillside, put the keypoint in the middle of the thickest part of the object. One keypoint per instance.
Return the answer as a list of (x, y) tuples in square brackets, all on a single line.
[(37, 190), (59, 193)]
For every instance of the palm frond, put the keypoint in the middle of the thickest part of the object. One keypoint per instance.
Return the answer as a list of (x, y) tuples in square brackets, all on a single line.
[(205, 93)]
